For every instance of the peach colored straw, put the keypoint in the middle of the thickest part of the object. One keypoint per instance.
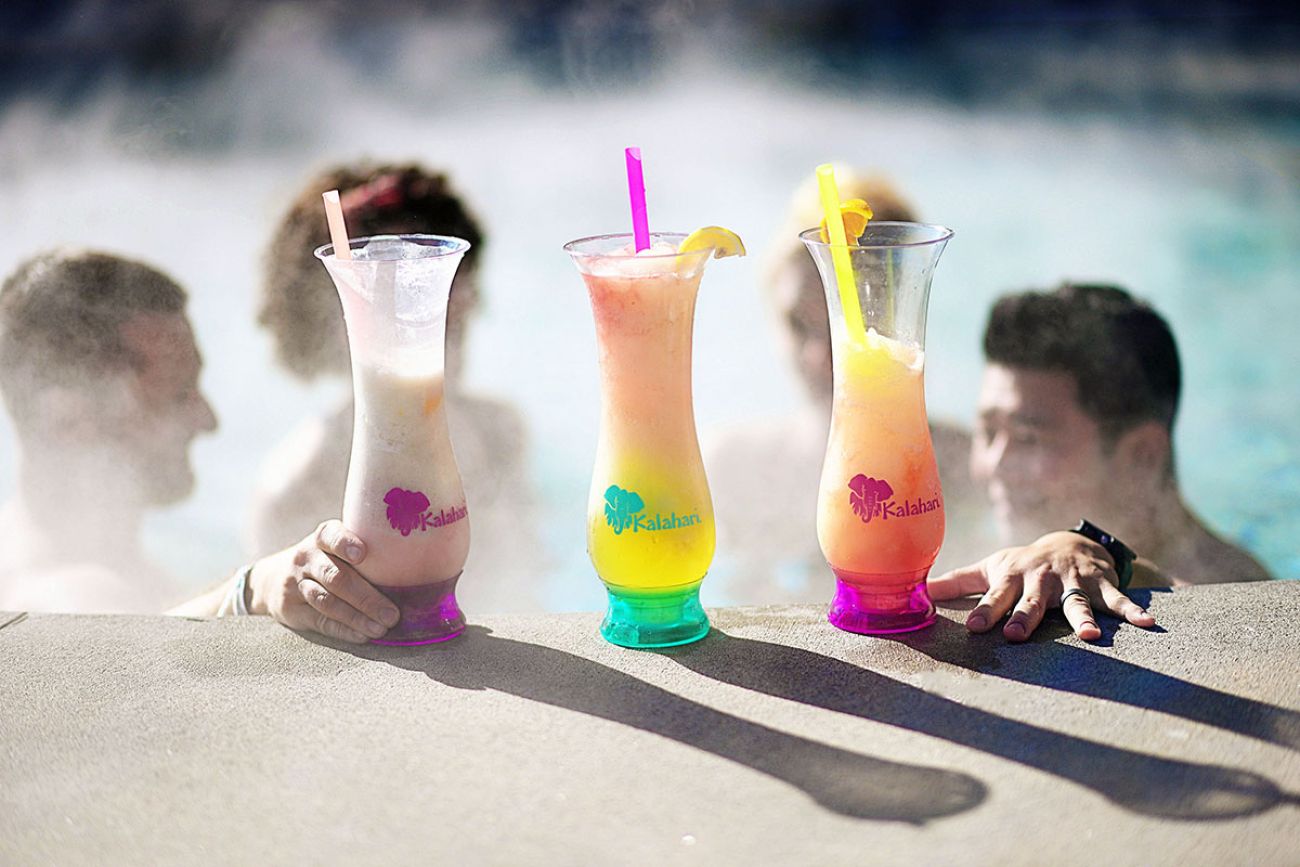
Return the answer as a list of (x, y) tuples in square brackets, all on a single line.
[(338, 229)]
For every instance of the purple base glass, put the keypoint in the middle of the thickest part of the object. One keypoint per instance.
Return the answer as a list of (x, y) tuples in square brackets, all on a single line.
[(429, 613), (880, 604)]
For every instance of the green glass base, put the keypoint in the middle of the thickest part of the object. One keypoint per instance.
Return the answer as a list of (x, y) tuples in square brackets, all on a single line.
[(654, 619)]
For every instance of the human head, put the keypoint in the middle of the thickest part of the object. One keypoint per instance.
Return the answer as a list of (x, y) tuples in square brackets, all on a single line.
[(299, 305), (793, 285), (1077, 408), (97, 356)]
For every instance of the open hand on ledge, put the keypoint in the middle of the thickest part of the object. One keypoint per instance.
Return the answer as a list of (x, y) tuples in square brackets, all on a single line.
[(1028, 580)]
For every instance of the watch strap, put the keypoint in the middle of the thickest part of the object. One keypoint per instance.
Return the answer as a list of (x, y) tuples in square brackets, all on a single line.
[(1119, 552)]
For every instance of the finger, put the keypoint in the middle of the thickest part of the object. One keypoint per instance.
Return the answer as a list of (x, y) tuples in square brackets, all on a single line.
[(1078, 610), (299, 615), (1123, 607), (333, 538), (331, 609), (965, 581), (343, 581), (1028, 612), (993, 604)]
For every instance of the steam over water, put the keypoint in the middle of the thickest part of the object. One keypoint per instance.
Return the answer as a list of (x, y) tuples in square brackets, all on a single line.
[(1200, 219)]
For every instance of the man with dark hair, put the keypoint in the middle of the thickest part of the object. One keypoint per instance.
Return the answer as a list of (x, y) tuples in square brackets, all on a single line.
[(1076, 417), (100, 373)]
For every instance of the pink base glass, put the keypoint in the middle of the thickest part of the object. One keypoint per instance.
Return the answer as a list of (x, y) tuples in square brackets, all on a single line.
[(880, 604), (429, 613)]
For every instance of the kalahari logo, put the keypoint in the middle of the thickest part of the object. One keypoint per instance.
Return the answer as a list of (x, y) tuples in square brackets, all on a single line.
[(409, 511), (624, 511), (873, 498)]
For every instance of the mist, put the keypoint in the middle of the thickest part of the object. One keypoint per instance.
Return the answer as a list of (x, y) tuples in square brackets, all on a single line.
[(1163, 166)]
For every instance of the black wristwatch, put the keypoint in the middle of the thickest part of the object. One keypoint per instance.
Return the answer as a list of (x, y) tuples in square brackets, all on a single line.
[(1119, 552)]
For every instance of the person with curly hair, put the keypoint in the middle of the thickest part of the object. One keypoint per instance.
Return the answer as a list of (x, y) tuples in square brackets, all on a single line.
[(302, 480)]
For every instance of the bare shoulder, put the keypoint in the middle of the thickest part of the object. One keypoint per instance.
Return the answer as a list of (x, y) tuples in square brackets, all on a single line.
[(491, 419)]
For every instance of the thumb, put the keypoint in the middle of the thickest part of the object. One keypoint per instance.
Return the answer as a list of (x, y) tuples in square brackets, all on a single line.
[(966, 581), (333, 538)]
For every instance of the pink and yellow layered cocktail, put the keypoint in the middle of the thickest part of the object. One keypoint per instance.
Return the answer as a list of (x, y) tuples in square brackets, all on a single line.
[(650, 530)]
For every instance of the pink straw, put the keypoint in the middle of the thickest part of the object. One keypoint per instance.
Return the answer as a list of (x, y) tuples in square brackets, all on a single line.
[(636, 194)]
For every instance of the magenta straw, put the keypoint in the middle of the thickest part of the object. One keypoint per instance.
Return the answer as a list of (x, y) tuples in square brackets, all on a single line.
[(636, 194)]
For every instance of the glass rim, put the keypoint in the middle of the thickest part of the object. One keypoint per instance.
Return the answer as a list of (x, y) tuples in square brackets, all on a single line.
[(572, 247), (812, 237), (458, 245)]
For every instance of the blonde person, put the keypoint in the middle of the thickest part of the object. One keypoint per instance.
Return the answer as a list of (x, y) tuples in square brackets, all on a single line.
[(301, 482)]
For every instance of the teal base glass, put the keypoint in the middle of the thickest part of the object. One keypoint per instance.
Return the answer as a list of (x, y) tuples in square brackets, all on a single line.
[(641, 620)]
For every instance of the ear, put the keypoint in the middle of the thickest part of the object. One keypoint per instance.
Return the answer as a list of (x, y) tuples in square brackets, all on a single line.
[(67, 416), (1145, 450)]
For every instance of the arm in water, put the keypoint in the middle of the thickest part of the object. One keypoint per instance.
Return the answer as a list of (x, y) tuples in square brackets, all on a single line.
[(313, 586), (1028, 580)]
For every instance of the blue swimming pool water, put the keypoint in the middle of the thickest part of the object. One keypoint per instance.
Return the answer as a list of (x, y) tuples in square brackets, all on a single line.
[(1200, 217)]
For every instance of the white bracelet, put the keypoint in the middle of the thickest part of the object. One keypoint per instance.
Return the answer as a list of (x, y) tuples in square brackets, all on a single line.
[(236, 601)]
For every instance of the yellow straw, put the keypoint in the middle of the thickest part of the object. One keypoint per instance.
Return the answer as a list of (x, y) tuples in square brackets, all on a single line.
[(840, 253), (339, 231)]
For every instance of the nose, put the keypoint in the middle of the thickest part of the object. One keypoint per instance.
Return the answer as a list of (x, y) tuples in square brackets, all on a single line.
[(206, 421), (989, 457)]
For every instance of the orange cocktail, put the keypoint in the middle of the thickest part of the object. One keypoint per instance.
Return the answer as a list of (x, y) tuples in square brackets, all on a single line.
[(880, 515)]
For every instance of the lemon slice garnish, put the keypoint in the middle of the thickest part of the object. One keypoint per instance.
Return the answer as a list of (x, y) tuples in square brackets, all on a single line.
[(855, 213), (723, 241)]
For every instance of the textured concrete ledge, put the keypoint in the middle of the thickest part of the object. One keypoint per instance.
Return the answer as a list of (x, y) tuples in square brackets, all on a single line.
[(777, 740)]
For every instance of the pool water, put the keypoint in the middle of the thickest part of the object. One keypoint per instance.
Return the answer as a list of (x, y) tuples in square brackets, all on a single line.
[(1200, 219)]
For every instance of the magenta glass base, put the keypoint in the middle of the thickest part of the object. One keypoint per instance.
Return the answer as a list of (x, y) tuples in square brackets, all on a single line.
[(429, 613), (880, 604)]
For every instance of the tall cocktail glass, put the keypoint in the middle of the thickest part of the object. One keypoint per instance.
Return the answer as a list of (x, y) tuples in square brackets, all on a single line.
[(880, 508), (650, 531), (404, 496)]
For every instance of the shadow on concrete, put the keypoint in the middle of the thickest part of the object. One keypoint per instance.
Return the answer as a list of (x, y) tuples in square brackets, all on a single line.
[(1059, 666), (1145, 784), (847, 783)]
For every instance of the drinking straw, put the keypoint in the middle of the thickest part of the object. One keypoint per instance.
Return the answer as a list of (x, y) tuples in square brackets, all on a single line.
[(840, 253), (338, 229), (636, 194)]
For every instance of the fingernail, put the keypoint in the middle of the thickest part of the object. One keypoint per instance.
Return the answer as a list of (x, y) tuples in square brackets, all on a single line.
[(353, 552), (389, 615), (375, 630), (1015, 629), (976, 621)]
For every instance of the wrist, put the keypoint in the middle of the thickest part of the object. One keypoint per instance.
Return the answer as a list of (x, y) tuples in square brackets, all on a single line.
[(1120, 555), (256, 593)]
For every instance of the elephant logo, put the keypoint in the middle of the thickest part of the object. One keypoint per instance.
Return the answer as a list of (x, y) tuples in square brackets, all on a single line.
[(621, 507), (868, 496), (405, 509)]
